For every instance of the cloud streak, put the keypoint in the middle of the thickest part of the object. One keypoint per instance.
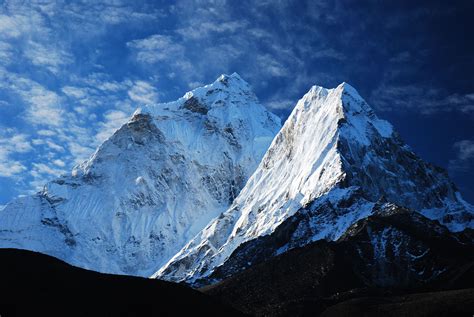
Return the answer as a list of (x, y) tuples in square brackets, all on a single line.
[(464, 161), (12, 143)]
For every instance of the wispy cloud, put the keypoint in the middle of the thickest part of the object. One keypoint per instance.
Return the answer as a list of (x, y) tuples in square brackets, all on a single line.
[(281, 104), (41, 169), (420, 99), (156, 48), (75, 92), (43, 105), (52, 58), (9, 168), (113, 120), (464, 161), (11, 143), (13, 26), (143, 92), (210, 28)]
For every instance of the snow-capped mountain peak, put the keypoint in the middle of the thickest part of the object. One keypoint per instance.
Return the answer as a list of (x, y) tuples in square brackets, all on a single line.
[(327, 167), (151, 186), (224, 90)]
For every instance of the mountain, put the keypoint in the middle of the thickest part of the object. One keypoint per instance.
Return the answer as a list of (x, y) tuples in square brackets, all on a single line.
[(327, 168), (35, 284), (379, 260), (152, 186)]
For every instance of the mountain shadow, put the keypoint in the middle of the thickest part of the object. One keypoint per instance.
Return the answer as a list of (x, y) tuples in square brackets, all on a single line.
[(34, 284)]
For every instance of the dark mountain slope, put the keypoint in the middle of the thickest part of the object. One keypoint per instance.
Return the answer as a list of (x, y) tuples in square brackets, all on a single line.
[(443, 303), (395, 251), (33, 284)]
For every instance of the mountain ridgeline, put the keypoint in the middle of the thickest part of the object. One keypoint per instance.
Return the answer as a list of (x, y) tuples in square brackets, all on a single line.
[(328, 167), (211, 191), (152, 186)]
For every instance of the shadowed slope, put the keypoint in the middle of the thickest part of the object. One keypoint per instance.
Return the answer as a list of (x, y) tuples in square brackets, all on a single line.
[(34, 284), (395, 251)]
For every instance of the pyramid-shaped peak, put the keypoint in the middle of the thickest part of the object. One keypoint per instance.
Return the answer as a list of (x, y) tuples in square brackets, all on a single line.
[(338, 110), (236, 75), (348, 89), (233, 81), (343, 89), (317, 91), (342, 102)]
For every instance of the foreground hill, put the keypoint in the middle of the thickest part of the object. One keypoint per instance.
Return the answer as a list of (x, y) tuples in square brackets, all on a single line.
[(33, 284)]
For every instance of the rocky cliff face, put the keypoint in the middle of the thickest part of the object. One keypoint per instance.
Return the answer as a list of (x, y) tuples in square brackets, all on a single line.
[(150, 187), (327, 168)]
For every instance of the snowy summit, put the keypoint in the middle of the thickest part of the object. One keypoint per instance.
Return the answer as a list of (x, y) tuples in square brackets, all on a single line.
[(329, 165), (152, 186)]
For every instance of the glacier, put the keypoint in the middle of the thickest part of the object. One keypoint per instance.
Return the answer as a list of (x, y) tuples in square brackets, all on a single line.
[(152, 186), (330, 165)]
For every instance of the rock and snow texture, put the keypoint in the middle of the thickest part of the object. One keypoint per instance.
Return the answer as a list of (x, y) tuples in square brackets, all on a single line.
[(326, 169), (150, 187)]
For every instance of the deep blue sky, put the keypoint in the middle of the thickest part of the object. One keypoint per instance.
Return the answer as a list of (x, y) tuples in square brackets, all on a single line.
[(70, 73)]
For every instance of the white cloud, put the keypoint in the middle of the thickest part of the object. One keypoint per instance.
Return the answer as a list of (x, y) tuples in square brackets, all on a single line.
[(46, 132), (79, 151), (113, 120), (6, 53), (464, 161), (93, 18), (10, 168), (38, 142), (109, 86), (329, 53), (465, 149), (12, 143), (156, 48), (43, 105), (271, 66), (9, 27), (27, 28), (19, 143), (281, 104), (205, 29), (195, 84), (43, 169), (54, 146), (59, 163), (419, 98), (81, 110), (143, 92), (75, 92), (48, 56)]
